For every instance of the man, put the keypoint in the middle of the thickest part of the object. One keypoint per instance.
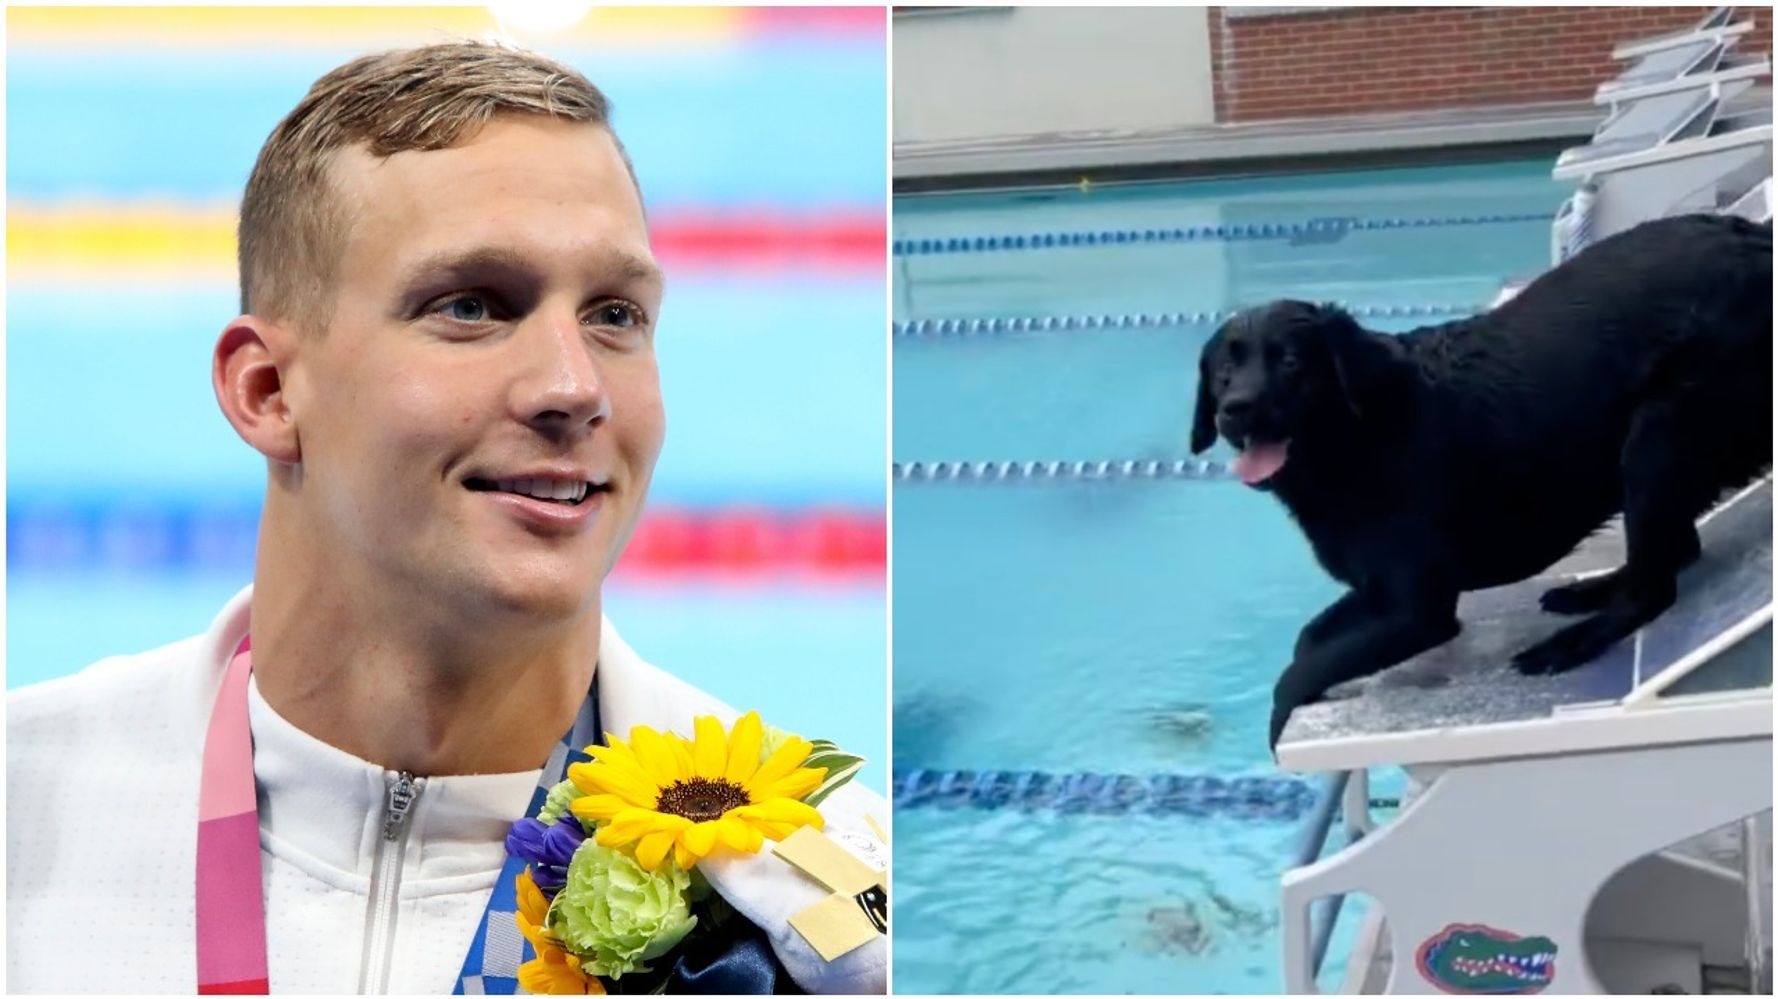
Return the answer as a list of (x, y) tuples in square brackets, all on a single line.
[(446, 357)]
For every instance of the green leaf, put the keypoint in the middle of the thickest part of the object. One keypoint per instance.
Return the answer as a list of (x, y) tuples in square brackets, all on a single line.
[(841, 767)]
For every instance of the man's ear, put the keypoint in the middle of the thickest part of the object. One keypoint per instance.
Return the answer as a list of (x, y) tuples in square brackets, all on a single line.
[(247, 372), (1367, 365), (1204, 418)]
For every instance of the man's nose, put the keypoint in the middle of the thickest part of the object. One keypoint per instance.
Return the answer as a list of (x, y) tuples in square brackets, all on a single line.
[(561, 390)]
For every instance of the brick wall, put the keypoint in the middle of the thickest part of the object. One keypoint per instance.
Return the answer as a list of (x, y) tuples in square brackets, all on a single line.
[(1335, 62)]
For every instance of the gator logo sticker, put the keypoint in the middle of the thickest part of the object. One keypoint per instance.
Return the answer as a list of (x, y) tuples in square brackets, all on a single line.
[(1471, 959)]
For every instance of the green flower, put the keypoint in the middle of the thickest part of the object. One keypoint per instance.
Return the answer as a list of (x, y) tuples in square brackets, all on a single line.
[(614, 915), (556, 802)]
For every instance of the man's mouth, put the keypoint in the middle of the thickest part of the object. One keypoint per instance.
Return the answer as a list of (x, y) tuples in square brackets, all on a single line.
[(1260, 460), (567, 492)]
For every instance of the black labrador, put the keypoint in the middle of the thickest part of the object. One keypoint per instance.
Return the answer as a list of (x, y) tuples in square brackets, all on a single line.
[(1635, 377)]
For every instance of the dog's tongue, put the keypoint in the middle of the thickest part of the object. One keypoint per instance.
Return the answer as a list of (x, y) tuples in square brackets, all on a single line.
[(1260, 462)]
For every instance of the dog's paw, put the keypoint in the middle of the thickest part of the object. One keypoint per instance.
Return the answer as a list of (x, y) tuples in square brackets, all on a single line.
[(1583, 596), (1279, 717), (1283, 703)]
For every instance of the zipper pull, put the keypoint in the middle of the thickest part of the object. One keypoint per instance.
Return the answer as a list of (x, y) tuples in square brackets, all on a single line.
[(401, 799)]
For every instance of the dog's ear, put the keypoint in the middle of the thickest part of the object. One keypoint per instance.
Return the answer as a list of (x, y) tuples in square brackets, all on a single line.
[(1367, 365), (1204, 418)]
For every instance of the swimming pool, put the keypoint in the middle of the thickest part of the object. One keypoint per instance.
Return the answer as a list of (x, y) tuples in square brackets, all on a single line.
[(1121, 624)]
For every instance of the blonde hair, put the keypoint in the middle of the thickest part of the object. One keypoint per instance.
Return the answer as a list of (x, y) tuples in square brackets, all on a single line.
[(293, 223)]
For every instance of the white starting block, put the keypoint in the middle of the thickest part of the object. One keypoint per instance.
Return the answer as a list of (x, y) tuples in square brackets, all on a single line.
[(1703, 48), (1536, 856), (1671, 144)]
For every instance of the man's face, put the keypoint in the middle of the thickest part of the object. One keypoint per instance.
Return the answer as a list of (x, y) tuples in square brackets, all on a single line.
[(492, 342)]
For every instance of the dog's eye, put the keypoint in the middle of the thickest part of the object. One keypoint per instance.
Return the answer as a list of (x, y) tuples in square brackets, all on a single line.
[(1236, 352)]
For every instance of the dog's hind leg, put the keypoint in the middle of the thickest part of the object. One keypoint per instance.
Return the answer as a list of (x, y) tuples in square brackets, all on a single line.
[(1663, 493), (1584, 596)]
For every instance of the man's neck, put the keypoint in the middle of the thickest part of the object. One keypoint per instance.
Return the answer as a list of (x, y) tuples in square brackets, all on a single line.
[(419, 693)]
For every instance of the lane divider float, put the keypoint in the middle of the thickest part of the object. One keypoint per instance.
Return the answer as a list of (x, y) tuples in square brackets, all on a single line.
[(1195, 796), (1318, 230)]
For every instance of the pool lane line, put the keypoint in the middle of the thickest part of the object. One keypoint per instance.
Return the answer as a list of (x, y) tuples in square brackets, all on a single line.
[(1033, 471), (993, 325), (1192, 795), (1317, 230)]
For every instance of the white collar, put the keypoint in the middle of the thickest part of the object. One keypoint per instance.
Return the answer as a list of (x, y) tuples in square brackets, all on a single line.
[(321, 808)]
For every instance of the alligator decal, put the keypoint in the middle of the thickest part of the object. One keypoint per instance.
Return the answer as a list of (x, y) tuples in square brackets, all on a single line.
[(1471, 959)]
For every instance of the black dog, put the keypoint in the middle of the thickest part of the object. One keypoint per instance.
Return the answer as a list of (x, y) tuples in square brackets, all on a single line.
[(1636, 377)]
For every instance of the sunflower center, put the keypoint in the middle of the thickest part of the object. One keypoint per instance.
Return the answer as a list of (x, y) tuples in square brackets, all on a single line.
[(701, 799)]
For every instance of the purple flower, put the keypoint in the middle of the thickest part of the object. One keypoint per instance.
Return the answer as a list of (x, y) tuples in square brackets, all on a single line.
[(549, 880), (561, 840), (525, 841), (548, 849)]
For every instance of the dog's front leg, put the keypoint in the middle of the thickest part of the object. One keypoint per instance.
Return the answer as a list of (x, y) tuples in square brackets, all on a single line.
[(1367, 644), (1352, 608)]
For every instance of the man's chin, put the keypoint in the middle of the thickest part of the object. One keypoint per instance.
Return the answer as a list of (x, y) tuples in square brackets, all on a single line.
[(541, 597)]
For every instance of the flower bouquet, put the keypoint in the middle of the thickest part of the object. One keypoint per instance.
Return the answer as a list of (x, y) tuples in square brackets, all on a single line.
[(611, 880)]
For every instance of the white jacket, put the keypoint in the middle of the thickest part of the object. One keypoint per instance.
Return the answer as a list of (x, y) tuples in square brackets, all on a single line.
[(102, 772)]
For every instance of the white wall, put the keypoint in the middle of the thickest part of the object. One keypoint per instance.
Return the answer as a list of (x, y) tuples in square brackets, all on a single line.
[(981, 73)]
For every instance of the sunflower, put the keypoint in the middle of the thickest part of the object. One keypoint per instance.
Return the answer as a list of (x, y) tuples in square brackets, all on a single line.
[(554, 971), (665, 794)]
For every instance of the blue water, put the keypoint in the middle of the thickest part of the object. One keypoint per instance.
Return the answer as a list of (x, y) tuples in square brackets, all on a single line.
[(1071, 627)]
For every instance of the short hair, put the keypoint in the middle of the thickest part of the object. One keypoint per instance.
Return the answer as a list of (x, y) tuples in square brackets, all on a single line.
[(293, 224)]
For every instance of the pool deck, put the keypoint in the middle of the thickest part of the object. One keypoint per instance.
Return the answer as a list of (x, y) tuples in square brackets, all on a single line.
[(1451, 135)]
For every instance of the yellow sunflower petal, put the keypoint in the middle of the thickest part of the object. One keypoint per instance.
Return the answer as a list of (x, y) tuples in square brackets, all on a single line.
[(656, 755), (788, 757), (710, 752), (580, 773), (744, 741), (555, 972), (682, 755), (798, 784), (776, 831), (532, 904), (530, 931), (630, 825), (699, 838), (685, 858), (737, 834), (652, 849), (780, 810), (620, 755), (598, 807), (598, 778)]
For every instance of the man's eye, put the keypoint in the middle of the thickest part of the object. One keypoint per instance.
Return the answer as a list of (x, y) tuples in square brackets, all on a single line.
[(620, 315), (464, 308)]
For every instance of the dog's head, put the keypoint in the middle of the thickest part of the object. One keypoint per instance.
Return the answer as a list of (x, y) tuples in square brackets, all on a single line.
[(1282, 372)]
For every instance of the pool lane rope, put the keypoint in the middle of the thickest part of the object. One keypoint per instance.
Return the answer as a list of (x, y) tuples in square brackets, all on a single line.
[(1141, 320), (1307, 230), (1033, 471), (1196, 796)]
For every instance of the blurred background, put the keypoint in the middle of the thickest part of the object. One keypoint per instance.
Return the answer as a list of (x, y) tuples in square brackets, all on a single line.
[(759, 137)]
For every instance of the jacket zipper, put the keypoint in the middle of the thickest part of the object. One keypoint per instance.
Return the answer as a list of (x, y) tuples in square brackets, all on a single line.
[(385, 883)]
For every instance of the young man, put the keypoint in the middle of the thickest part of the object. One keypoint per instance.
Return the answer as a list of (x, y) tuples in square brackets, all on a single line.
[(446, 357)]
